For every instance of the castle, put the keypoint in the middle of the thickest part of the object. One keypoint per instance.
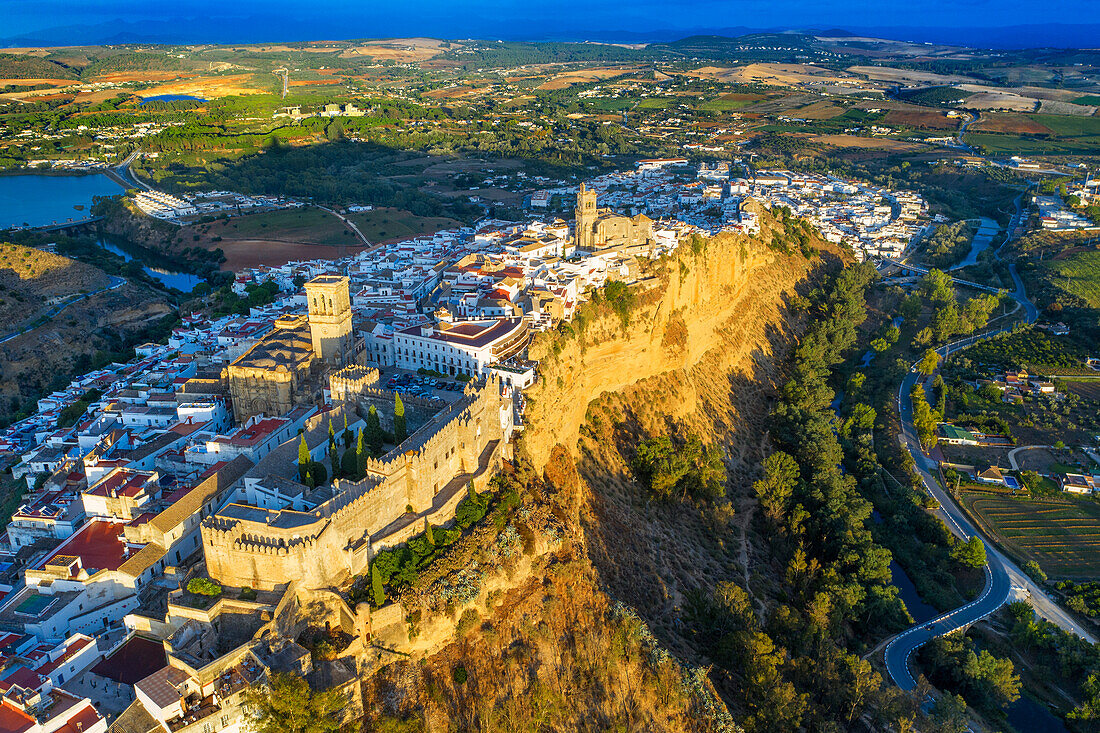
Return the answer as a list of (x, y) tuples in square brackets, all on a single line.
[(322, 537), (286, 367), (602, 229)]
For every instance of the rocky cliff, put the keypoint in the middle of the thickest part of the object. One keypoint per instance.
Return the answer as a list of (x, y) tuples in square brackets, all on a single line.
[(697, 347), (724, 298)]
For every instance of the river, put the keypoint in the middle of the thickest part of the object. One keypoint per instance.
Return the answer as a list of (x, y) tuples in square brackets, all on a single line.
[(38, 200), (182, 281), (982, 239)]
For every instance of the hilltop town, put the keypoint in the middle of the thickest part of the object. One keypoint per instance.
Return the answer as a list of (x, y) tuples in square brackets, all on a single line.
[(712, 385)]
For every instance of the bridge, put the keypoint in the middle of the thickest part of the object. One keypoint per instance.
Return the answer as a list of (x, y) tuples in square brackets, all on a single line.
[(68, 224), (957, 281)]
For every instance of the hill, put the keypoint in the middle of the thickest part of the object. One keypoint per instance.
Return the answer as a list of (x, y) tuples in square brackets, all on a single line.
[(31, 281)]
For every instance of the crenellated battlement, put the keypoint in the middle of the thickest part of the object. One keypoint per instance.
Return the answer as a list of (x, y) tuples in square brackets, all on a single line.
[(348, 383), (322, 542)]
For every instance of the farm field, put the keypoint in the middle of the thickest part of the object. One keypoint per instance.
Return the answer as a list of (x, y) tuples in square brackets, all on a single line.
[(385, 224), (1016, 145), (1078, 274), (1063, 536), (305, 225), (728, 102)]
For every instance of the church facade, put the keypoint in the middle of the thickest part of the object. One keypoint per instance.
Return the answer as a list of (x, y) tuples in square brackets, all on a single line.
[(599, 229), (286, 367)]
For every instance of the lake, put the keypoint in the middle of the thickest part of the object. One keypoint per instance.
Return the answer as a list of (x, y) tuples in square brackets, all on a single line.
[(182, 281), (37, 200)]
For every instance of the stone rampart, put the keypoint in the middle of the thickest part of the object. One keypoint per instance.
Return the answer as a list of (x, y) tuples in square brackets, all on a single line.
[(427, 473)]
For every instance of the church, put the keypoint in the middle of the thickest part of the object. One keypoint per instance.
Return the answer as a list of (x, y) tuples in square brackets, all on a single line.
[(597, 229), (287, 367)]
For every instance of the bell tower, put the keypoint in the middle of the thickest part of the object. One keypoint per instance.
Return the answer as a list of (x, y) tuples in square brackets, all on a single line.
[(330, 318), (585, 218)]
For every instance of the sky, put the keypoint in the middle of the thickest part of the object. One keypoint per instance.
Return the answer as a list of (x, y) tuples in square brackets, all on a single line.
[(251, 20)]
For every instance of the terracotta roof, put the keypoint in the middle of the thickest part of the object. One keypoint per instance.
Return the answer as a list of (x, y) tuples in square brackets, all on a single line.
[(161, 686), (14, 720)]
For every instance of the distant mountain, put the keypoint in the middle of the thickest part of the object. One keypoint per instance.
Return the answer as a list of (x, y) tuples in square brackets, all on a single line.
[(274, 28)]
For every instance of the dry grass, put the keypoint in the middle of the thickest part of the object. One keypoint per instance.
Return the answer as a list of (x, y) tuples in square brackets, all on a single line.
[(890, 74), (777, 74), (869, 143), (1011, 124), (818, 111), (401, 50), (581, 76), (207, 87), (33, 82)]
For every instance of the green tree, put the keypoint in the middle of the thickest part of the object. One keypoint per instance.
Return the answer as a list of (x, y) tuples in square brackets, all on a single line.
[(304, 459), (969, 554), (928, 363), (349, 464), (286, 704), (378, 593), (925, 418), (774, 490), (374, 432), (203, 587), (360, 454), (400, 431), (347, 436), (1089, 710), (949, 714)]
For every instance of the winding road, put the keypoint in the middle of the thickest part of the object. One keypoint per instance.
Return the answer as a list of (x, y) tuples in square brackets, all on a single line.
[(1002, 576), (115, 282)]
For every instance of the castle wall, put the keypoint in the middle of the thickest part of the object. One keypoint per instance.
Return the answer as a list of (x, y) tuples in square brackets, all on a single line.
[(428, 473)]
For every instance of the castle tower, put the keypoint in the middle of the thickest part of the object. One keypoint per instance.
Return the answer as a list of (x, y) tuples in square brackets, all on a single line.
[(586, 218), (330, 318)]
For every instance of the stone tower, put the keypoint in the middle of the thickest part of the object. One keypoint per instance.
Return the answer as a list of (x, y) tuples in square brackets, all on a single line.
[(586, 218), (330, 318)]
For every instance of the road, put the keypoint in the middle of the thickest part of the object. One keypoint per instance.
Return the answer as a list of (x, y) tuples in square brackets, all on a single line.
[(115, 282), (1012, 454), (349, 224), (1002, 575)]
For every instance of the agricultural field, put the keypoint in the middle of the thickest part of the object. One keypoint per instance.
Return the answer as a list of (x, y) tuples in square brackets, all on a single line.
[(1079, 274), (728, 102), (305, 225), (1062, 535), (386, 224)]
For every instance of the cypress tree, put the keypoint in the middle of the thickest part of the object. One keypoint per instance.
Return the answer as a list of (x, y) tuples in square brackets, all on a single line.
[(360, 456), (374, 432), (331, 434), (400, 432), (347, 436), (428, 534), (378, 594), (349, 464), (304, 459)]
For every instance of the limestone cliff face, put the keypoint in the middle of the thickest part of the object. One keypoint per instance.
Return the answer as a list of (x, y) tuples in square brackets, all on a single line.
[(726, 296)]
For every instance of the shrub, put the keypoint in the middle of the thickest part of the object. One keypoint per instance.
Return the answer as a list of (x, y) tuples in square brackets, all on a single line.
[(459, 675), (467, 621), (203, 587)]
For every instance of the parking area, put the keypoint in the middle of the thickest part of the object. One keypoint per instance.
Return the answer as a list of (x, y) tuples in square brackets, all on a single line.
[(443, 389)]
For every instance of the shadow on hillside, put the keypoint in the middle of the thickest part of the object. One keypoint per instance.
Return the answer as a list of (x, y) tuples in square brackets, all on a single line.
[(650, 553)]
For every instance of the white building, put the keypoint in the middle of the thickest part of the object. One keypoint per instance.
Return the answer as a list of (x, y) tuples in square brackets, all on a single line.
[(463, 347)]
